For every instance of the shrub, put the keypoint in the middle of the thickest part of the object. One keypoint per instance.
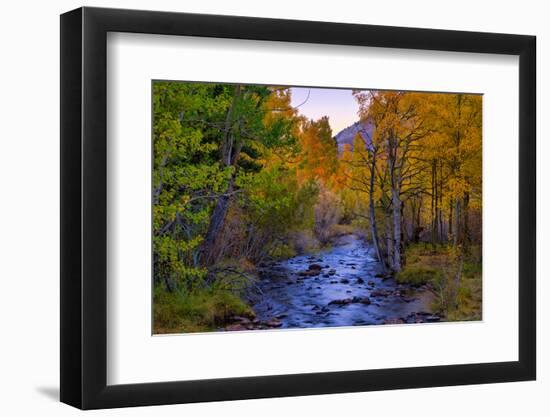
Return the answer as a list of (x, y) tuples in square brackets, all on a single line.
[(418, 275), (472, 270), (327, 214), (282, 251), (304, 242)]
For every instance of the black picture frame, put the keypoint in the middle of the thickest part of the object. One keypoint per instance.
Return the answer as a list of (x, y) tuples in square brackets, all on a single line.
[(84, 207)]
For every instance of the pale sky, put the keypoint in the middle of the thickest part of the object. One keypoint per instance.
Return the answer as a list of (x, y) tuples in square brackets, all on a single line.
[(338, 104)]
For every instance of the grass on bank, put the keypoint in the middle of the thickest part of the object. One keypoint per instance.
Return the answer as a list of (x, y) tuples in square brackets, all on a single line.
[(204, 308), (199, 311), (438, 266)]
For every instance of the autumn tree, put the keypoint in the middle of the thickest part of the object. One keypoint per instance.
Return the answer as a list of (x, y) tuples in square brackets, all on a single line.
[(318, 154), (458, 124), (398, 119), (360, 173)]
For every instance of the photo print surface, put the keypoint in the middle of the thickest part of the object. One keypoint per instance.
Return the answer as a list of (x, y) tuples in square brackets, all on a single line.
[(280, 207)]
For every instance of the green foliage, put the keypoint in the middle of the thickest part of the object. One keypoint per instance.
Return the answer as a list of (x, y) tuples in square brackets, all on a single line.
[(186, 173), (282, 251), (469, 294), (472, 269), (194, 164), (418, 275), (275, 201)]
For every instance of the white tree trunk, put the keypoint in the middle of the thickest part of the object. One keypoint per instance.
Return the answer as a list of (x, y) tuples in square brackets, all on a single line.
[(372, 214), (396, 203), (457, 228), (389, 239)]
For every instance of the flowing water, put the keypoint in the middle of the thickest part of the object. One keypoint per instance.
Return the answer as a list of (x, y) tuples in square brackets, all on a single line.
[(340, 286)]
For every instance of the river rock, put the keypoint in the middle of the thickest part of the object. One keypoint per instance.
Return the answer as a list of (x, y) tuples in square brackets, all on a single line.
[(274, 323), (235, 327), (315, 267), (380, 293), (360, 281), (354, 300), (416, 318), (310, 273), (362, 300), (344, 281), (342, 302), (241, 320), (394, 321), (332, 271), (371, 283)]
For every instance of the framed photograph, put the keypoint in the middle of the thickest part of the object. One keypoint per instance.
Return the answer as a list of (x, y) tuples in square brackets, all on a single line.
[(256, 208)]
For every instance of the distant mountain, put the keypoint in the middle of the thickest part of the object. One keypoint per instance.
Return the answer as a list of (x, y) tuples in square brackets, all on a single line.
[(347, 136)]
